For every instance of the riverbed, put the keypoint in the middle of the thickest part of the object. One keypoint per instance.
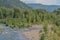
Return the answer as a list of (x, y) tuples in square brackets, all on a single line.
[(22, 34)]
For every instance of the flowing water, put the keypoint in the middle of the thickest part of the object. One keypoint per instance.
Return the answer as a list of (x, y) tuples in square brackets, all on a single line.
[(10, 34)]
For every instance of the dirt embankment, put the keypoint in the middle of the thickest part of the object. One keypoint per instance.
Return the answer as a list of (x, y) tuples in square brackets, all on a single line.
[(33, 34)]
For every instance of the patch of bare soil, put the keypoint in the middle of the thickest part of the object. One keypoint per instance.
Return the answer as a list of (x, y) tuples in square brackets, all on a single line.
[(32, 35)]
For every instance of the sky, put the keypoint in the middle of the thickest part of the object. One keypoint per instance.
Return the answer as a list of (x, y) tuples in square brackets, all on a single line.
[(45, 2)]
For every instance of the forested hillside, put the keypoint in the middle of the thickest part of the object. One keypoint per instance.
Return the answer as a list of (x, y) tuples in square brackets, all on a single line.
[(15, 17), (21, 18), (12, 4), (49, 8)]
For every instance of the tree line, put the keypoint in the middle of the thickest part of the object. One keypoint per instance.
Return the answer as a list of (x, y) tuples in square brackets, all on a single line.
[(20, 18)]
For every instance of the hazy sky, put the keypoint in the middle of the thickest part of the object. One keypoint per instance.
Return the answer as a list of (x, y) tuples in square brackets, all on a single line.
[(46, 2)]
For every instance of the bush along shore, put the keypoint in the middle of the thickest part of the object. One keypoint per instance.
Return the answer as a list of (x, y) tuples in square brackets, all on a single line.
[(22, 18)]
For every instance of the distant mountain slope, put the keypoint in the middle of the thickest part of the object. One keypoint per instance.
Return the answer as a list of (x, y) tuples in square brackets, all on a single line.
[(12, 3), (46, 7)]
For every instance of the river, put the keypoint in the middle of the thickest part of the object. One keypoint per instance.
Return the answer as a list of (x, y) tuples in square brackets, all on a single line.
[(10, 34)]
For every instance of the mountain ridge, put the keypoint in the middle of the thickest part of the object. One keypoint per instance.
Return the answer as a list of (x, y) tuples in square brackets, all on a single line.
[(46, 7), (12, 4)]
